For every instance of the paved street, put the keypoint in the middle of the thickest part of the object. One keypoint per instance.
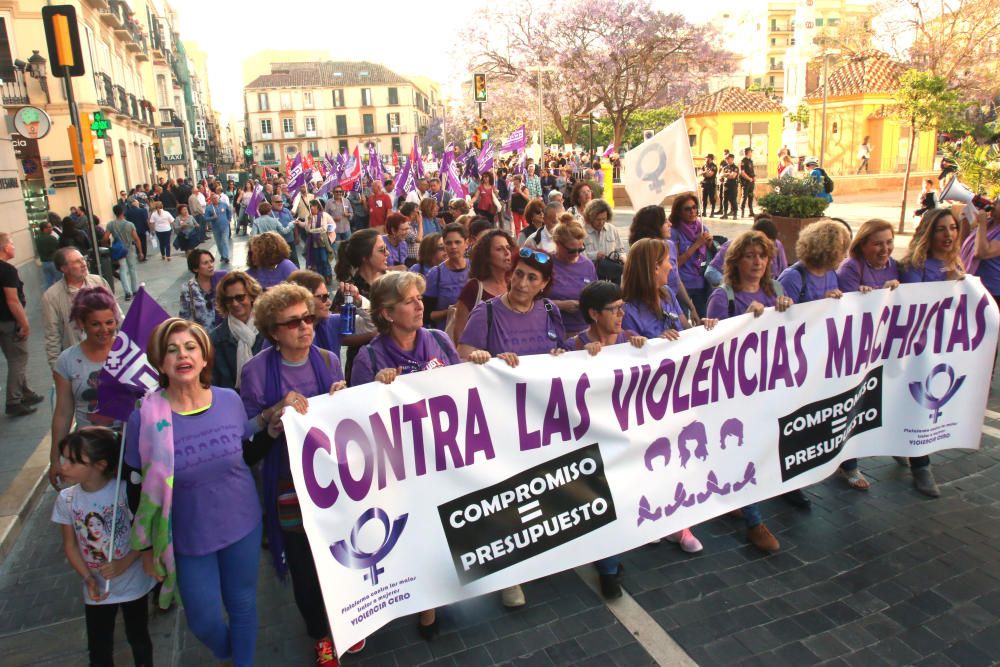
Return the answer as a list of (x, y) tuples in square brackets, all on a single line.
[(884, 577)]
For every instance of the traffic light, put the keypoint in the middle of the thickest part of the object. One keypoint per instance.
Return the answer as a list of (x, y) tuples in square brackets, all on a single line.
[(479, 87), (80, 166), (477, 137), (484, 130)]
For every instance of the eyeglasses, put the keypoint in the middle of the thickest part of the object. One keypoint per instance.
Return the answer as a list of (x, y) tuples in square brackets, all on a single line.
[(574, 251), (538, 256), (323, 297), (690, 208), (383, 250), (238, 298), (614, 309), (297, 322)]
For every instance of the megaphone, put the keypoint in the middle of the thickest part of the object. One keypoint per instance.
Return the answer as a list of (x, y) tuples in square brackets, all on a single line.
[(956, 192)]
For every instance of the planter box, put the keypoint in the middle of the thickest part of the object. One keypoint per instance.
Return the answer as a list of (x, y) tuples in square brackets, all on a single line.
[(788, 232)]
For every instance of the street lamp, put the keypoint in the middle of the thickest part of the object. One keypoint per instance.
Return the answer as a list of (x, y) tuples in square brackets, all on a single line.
[(541, 121)]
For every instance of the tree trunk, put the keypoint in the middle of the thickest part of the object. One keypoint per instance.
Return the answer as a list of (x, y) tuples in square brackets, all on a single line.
[(619, 134), (906, 176)]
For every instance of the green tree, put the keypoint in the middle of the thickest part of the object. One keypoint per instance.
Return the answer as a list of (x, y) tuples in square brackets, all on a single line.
[(926, 102), (979, 166)]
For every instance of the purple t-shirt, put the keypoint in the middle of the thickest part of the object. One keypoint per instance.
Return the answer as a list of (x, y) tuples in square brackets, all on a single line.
[(674, 279), (298, 377), (816, 286), (268, 278), (853, 273), (398, 253), (568, 280), (536, 332), (933, 271), (989, 273), (639, 317), (718, 303), (779, 264), (420, 268), (215, 498), (445, 284), (684, 236), (430, 351)]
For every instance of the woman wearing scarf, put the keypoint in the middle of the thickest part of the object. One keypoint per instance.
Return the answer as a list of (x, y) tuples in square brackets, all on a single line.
[(236, 340), (198, 517), (286, 375), (693, 241), (319, 228)]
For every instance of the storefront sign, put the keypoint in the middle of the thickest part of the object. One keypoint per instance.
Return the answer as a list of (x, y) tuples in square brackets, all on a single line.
[(32, 122)]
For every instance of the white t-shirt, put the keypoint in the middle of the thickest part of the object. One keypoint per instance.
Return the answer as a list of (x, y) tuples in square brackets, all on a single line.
[(89, 513), (161, 221)]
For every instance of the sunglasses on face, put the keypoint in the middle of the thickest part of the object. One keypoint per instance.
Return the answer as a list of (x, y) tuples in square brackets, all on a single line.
[(690, 208), (614, 309), (297, 322), (540, 257), (323, 297), (574, 251), (238, 298)]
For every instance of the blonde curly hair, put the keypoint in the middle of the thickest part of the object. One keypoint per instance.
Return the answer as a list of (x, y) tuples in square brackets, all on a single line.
[(277, 299), (822, 245), (268, 249)]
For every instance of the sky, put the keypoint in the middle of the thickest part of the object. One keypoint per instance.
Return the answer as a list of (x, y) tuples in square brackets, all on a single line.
[(401, 34)]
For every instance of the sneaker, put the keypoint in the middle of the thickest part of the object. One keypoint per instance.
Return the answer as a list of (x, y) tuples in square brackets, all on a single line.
[(512, 596), (611, 584), (29, 397), (923, 480), (763, 539), (19, 410), (325, 657), (689, 543), (359, 647)]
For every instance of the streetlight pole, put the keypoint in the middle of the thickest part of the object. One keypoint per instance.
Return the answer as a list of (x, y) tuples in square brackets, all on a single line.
[(541, 121), (822, 139)]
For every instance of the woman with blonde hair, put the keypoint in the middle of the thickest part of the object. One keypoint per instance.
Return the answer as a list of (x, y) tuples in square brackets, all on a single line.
[(572, 271), (236, 339), (268, 259), (821, 248)]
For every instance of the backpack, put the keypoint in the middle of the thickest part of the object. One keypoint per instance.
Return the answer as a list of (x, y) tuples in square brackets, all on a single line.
[(438, 338), (827, 182), (731, 296)]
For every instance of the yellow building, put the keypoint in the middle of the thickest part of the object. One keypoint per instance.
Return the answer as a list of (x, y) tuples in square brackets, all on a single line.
[(859, 104), (135, 76), (327, 107), (734, 119)]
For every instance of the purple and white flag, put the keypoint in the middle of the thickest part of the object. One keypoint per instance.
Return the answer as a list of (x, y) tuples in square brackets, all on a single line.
[(449, 173), (407, 179), (296, 175), (418, 167), (328, 163), (484, 162), (127, 375), (517, 141), (609, 152), (376, 171), (255, 198)]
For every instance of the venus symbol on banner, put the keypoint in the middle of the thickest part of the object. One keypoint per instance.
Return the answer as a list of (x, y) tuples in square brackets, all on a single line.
[(653, 175)]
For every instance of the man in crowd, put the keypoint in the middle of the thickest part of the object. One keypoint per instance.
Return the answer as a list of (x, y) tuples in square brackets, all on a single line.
[(443, 197), (60, 332), (730, 185), (748, 180), (137, 213), (14, 332), (124, 232), (285, 217), (416, 195), (196, 207), (708, 184), (379, 206)]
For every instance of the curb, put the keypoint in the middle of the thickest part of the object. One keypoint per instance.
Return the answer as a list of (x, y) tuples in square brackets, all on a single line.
[(22, 496)]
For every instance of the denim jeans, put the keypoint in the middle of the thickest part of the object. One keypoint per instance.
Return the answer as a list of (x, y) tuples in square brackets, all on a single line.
[(126, 272), (227, 577), (221, 232), (752, 516), (50, 274)]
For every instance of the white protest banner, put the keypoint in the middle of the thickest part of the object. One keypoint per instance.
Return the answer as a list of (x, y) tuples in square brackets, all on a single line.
[(462, 480), (659, 167)]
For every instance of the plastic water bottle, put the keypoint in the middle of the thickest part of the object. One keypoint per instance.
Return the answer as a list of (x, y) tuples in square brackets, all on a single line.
[(347, 313)]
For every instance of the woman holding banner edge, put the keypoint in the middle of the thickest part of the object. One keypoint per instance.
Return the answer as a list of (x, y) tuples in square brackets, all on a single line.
[(402, 346), (520, 322)]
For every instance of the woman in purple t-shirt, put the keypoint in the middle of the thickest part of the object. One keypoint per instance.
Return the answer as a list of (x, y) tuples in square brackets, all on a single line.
[(603, 308), (650, 222), (571, 272), (520, 322), (932, 256), (397, 226), (402, 346), (446, 280), (214, 513), (268, 259), (748, 288), (490, 260), (821, 248)]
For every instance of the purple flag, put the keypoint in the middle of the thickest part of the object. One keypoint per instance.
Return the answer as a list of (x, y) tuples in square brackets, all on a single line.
[(418, 167), (127, 374), (406, 181), (485, 161), (255, 199), (609, 152), (296, 175), (376, 171), (517, 141), (449, 173)]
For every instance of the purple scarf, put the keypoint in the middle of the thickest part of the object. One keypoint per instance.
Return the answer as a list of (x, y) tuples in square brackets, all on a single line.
[(274, 391), (691, 231)]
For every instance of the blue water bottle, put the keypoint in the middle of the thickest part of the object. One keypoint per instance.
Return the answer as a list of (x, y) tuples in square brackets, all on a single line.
[(347, 313)]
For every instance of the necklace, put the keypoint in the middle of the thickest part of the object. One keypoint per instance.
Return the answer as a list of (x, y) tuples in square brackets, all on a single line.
[(507, 303)]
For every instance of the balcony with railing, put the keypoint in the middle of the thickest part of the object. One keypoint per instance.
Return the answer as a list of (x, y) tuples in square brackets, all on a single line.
[(133, 106), (121, 97), (111, 15), (105, 91), (146, 113), (15, 91), (98, 4)]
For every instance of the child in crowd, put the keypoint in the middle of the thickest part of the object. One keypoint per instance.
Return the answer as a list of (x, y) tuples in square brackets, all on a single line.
[(89, 461)]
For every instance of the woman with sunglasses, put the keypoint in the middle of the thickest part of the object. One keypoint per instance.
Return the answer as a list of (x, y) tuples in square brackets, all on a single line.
[(602, 305), (286, 375), (360, 260), (693, 241), (520, 322), (489, 274), (236, 339), (571, 272)]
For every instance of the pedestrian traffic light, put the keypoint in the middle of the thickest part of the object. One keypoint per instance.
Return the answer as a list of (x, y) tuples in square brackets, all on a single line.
[(477, 138), (479, 87), (85, 163)]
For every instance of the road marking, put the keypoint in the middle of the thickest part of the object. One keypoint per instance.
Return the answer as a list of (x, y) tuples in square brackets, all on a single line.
[(991, 431), (661, 646), (993, 415)]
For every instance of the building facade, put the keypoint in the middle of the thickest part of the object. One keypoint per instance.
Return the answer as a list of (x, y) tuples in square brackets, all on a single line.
[(328, 107), (136, 77)]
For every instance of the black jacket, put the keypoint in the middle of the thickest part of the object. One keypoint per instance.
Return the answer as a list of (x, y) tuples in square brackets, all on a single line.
[(224, 368)]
